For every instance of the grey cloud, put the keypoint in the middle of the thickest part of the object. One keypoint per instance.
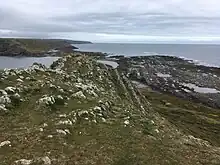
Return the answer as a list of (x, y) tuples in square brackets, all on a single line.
[(136, 23), (155, 20)]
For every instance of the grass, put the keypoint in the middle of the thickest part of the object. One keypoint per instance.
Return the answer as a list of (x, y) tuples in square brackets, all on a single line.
[(193, 118), (35, 45), (108, 142)]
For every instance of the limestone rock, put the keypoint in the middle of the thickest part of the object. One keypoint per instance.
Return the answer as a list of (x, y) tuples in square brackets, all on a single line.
[(79, 94), (2, 107), (4, 143), (3, 92), (48, 100), (23, 162), (10, 90), (5, 100)]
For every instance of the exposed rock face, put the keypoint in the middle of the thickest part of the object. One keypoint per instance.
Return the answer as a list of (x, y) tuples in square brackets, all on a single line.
[(79, 111)]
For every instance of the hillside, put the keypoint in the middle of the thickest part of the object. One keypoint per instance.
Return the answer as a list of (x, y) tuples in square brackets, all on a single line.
[(35, 47), (80, 111)]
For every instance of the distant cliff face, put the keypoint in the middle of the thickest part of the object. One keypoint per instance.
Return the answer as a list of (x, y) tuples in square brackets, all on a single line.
[(80, 111), (35, 47)]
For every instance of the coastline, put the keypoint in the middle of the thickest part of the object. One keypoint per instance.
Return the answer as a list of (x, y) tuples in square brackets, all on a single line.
[(153, 71), (23, 47), (78, 102)]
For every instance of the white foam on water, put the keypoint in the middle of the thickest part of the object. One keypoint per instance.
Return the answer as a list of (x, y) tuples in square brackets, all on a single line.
[(24, 62), (200, 89)]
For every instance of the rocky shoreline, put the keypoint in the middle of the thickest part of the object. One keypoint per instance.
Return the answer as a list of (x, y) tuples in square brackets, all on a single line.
[(175, 76)]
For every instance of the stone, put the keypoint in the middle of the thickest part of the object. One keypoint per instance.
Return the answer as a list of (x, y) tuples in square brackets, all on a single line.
[(3, 92), (20, 80), (62, 115), (10, 90), (126, 122), (23, 162), (5, 100), (103, 120), (2, 107), (71, 91), (99, 109), (53, 86), (45, 125), (67, 131), (4, 143), (46, 160), (195, 141), (61, 90), (37, 67), (83, 113), (94, 121), (168, 104), (91, 92), (152, 122), (48, 100), (50, 136), (66, 122), (16, 95), (21, 77), (60, 131), (79, 94)]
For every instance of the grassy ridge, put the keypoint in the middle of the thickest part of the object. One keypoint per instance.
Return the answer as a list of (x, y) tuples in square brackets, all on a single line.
[(82, 112), (31, 47)]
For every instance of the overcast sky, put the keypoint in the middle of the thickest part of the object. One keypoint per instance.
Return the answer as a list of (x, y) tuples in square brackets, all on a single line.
[(112, 20)]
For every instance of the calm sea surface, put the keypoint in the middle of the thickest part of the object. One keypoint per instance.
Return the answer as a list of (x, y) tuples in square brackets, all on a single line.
[(203, 54), (24, 62)]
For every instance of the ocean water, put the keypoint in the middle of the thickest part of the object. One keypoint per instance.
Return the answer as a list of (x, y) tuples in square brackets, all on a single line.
[(24, 62), (201, 54)]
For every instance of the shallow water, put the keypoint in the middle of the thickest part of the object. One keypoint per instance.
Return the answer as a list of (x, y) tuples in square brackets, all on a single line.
[(201, 53), (110, 63), (24, 62), (201, 89)]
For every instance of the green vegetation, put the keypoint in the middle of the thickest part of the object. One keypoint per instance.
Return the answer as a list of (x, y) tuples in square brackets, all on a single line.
[(34, 47), (193, 118), (81, 112)]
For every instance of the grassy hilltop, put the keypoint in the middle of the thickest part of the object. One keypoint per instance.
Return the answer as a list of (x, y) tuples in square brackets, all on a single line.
[(79, 111), (34, 47)]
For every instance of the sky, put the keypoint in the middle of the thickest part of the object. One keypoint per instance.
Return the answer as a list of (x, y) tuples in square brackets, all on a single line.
[(112, 20)]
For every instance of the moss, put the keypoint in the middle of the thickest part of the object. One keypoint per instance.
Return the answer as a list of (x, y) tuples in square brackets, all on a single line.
[(147, 128)]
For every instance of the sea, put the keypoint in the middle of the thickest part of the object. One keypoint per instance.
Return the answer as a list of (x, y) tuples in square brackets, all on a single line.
[(203, 54), (24, 62)]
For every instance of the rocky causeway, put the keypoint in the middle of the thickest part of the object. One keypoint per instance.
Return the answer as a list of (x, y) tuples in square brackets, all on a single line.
[(176, 76)]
